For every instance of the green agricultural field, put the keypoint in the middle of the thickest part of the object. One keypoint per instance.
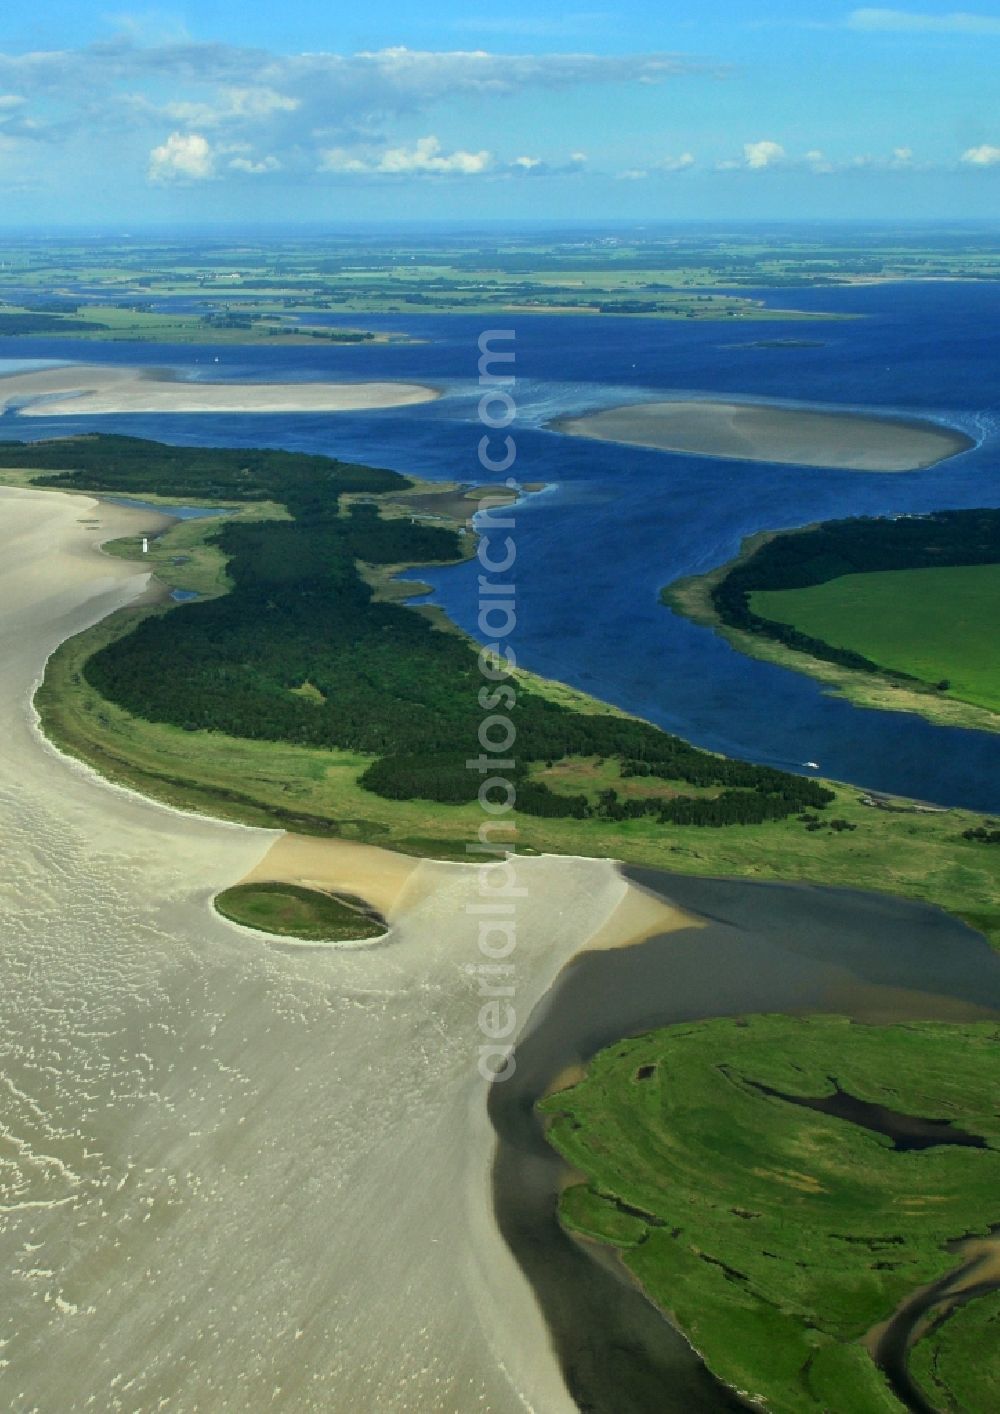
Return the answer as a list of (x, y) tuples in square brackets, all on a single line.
[(938, 625), (290, 911), (777, 1236)]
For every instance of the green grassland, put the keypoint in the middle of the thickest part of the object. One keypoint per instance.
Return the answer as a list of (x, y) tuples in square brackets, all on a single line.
[(289, 910), (938, 625), (381, 680), (948, 1363), (186, 559), (775, 1236)]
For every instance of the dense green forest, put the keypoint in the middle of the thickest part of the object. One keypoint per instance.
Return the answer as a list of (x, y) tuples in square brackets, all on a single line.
[(299, 651), (133, 466), (802, 558)]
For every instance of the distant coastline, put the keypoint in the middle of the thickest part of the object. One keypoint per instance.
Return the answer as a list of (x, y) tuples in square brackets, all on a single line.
[(802, 436)]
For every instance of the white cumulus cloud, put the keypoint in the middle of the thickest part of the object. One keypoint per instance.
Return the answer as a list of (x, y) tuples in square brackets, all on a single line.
[(16, 123), (254, 166), (337, 112), (677, 164), (982, 156), (338, 159), (758, 155), (425, 156), (183, 157), (231, 106)]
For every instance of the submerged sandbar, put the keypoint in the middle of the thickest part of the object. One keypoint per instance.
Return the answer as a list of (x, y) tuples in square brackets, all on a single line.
[(82, 389), (762, 432)]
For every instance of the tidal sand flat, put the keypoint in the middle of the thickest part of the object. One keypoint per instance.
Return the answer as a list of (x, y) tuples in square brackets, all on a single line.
[(379, 876), (92, 389), (762, 432), (239, 1176), (394, 883)]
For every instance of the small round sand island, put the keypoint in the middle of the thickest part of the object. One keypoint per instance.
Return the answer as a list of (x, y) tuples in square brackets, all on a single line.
[(763, 432), (84, 388)]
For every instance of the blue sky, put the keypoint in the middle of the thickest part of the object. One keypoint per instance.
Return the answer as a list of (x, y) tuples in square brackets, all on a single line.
[(316, 110)]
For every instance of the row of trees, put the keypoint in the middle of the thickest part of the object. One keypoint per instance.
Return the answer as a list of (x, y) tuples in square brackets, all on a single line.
[(729, 807)]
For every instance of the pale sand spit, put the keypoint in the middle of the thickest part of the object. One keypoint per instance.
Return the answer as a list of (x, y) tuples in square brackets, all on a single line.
[(639, 916), (82, 389), (379, 876), (393, 883), (761, 432), (240, 1176)]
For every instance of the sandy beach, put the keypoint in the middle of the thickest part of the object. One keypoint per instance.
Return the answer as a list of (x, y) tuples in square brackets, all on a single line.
[(762, 432), (242, 1176), (81, 389)]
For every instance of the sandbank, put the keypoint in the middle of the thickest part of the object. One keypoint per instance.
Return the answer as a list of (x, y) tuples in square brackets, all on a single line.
[(395, 884), (639, 916), (379, 876), (91, 389), (801, 436)]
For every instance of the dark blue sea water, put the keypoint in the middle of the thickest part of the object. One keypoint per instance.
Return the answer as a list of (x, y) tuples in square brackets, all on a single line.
[(621, 522)]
